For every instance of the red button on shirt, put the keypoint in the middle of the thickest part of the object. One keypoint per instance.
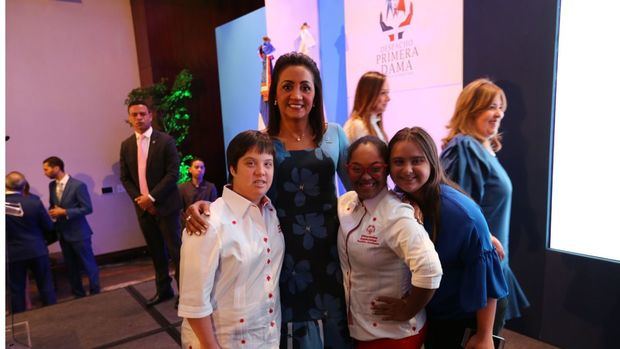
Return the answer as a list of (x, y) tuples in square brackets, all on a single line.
[(268, 278), (234, 222), (270, 295), (269, 261), (241, 320), (243, 341), (270, 310)]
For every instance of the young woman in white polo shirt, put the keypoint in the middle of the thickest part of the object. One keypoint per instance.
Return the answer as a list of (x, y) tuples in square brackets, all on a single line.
[(389, 264), (229, 292)]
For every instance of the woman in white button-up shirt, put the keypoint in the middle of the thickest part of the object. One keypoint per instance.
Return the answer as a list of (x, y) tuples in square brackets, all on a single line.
[(388, 261), (229, 285)]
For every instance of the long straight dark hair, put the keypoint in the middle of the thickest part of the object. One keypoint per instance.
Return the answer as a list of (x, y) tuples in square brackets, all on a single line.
[(316, 118), (430, 193)]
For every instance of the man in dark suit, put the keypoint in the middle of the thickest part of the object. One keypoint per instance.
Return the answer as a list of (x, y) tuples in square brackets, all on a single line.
[(149, 172), (69, 205), (27, 223)]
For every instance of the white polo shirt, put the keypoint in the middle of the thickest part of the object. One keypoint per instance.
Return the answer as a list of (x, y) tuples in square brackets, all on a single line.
[(232, 273), (383, 251)]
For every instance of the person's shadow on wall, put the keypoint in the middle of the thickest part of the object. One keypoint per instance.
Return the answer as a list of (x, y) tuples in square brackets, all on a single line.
[(528, 223), (114, 181)]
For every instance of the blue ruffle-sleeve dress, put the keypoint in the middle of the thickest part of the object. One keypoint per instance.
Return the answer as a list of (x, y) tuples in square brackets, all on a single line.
[(471, 268), (480, 174)]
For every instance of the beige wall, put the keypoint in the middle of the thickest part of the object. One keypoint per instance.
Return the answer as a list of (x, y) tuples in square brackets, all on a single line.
[(69, 67)]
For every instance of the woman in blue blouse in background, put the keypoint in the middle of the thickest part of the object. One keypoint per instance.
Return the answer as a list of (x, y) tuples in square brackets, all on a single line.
[(469, 160), (472, 277)]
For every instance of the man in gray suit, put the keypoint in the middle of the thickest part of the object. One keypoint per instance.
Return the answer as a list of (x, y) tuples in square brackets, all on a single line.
[(69, 205), (149, 172)]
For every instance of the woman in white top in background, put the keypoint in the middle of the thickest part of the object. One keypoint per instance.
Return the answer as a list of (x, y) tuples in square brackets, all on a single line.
[(371, 99), (229, 294), (389, 263)]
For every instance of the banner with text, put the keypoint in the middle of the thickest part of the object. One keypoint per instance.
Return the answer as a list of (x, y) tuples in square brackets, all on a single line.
[(418, 44)]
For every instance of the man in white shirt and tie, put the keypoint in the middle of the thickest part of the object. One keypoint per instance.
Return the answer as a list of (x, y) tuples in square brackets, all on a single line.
[(149, 172), (69, 205)]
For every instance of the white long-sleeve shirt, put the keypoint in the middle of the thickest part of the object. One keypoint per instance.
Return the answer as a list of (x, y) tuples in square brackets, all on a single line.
[(232, 273), (383, 251)]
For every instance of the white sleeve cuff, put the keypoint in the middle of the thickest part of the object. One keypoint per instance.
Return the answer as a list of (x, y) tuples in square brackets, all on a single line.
[(193, 312)]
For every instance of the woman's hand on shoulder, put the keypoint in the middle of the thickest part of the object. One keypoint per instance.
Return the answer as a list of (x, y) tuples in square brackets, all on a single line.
[(194, 221), (417, 212)]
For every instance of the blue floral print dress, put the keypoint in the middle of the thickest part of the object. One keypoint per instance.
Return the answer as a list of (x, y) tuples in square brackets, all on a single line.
[(311, 291)]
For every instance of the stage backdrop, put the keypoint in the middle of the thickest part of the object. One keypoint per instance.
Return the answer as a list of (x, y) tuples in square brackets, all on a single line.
[(284, 19), (239, 65), (239, 68), (418, 44)]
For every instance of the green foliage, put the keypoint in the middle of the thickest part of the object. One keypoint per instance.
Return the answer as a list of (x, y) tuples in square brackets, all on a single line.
[(170, 106), (186, 161)]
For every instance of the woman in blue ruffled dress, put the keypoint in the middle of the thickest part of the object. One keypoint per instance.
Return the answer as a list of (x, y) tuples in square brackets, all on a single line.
[(469, 159)]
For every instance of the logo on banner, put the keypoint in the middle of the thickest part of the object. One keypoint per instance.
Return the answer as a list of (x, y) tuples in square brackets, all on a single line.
[(397, 56), (398, 17)]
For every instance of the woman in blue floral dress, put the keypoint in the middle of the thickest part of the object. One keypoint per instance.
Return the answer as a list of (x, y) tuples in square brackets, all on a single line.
[(309, 152)]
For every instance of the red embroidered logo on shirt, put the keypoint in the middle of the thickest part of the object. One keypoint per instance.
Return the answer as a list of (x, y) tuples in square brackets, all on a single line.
[(367, 239)]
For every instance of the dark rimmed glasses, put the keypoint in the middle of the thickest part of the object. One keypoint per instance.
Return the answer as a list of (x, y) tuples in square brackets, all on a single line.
[(374, 170)]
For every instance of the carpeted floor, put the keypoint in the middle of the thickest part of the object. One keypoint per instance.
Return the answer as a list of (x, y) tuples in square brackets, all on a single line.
[(118, 317), (113, 319)]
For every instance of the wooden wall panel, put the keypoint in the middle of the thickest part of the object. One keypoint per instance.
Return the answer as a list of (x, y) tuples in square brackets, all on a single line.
[(172, 35)]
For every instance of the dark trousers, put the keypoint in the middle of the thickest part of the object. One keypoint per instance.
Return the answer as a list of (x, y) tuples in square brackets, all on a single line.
[(163, 240), (78, 256), (18, 273), (447, 334)]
